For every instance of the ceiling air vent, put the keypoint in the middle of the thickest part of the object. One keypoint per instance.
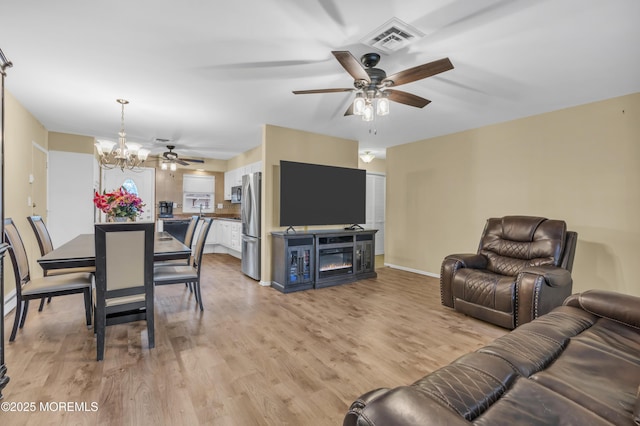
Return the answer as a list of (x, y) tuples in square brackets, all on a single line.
[(392, 36)]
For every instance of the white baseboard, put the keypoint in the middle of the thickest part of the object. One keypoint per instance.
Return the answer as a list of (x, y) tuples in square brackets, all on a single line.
[(415, 271), (9, 302), (265, 283)]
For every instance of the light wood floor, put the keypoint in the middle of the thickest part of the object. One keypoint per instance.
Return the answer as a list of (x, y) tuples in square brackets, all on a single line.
[(253, 357)]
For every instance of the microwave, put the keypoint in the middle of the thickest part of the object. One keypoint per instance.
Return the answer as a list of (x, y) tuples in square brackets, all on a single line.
[(236, 194)]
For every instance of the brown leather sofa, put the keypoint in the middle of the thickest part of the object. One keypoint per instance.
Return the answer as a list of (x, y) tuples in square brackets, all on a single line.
[(577, 365), (522, 270)]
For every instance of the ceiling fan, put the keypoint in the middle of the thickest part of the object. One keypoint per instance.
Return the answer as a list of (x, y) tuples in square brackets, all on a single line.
[(373, 83), (171, 157)]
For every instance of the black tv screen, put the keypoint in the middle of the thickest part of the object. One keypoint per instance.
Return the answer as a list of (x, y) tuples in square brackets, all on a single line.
[(312, 194)]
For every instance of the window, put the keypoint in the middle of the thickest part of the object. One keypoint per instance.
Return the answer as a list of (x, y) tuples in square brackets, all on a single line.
[(130, 186)]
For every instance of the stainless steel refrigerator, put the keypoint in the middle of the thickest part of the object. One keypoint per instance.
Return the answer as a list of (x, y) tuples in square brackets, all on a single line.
[(250, 215)]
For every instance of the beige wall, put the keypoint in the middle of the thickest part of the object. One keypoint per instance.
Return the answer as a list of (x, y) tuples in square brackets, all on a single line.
[(294, 145), (21, 131), (71, 143), (580, 164), (248, 157)]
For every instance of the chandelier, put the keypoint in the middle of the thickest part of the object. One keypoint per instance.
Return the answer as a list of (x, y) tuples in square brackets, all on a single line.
[(123, 155)]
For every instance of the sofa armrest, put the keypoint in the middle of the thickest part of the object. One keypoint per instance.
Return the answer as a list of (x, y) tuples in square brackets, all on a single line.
[(351, 419), (450, 265), (618, 307), (402, 406), (553, 276), (467, 260), (539, 289)]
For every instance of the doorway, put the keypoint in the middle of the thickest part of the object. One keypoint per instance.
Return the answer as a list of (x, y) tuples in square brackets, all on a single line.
[(140, 182), (38, 195)]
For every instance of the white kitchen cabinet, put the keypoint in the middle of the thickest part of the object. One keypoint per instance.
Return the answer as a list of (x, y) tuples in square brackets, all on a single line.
[(234, 177), (236, 236), (198, 183), (225, 236), (225, 233), (228, 183), (214, 233), (198, 193)]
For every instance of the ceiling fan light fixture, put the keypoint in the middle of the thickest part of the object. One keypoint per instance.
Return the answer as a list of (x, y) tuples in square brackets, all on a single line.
[(382, 106), (173, 167), (358, 104), (164, 166), (367, 113)]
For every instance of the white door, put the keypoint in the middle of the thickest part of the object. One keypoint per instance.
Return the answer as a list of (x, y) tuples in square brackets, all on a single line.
[(376, 187), (71, 183), (143, 181)]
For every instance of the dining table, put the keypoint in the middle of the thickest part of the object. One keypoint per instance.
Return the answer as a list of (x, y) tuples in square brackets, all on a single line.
[(80, 252)]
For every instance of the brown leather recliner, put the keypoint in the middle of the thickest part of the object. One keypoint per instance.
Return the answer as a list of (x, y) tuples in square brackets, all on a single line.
[(522, 270)]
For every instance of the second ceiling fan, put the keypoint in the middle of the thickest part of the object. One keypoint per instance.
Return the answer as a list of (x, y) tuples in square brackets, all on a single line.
[(172, 158), (372, 83)]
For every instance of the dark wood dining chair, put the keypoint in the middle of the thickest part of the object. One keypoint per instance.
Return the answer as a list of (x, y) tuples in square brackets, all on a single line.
[(28, 288), (190, 274), (123, 277), (191, 230), (188, 241), (46, 246)]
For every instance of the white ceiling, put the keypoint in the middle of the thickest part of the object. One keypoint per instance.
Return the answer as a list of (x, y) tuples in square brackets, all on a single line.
[(209, 74)]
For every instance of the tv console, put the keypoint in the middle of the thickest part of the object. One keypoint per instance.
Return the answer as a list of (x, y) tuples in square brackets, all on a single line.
[(322, 258)]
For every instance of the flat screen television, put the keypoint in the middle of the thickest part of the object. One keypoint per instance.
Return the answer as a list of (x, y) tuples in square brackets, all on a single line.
[(313, 194)]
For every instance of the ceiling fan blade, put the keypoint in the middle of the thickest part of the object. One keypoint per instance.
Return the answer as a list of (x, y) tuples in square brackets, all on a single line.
[(306, 92), (351, 64), (419, 72), (192, 160), (182, 163), (349, 110), (407, 98)]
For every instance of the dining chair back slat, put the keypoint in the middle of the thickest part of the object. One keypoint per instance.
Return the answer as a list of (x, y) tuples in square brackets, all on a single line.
[(42, 234), (191, 229)]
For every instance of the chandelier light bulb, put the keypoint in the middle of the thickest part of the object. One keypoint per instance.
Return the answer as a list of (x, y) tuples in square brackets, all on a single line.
[(143, 154)]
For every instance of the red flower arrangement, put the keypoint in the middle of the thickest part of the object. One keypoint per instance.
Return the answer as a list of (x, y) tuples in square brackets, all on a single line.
[(119, 203)]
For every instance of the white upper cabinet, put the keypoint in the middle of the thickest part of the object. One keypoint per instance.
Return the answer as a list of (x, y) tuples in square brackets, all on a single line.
[(234, 177), (198, 193), (198, 183)]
